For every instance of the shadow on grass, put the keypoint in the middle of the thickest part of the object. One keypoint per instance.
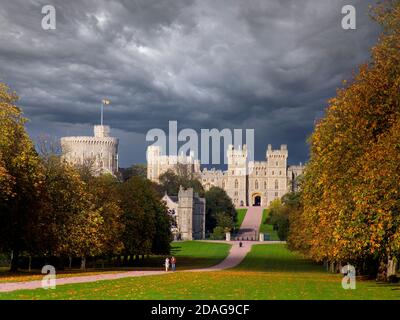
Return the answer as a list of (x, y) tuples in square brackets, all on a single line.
[(391, 286), (277, 264)]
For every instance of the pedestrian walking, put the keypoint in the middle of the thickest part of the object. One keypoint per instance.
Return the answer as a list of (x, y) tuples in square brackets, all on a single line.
[(173, 263), (166, 264)]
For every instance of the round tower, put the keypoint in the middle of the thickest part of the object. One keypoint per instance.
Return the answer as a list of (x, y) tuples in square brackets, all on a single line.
[(100, 152)]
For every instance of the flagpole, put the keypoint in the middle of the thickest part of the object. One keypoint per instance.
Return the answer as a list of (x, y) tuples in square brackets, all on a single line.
[(102, 106)]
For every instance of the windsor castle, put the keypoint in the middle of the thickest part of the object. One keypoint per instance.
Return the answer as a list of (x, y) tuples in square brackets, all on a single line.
[(248, 183)]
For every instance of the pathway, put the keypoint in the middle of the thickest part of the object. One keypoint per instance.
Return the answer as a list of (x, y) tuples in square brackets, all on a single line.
[(251, 223), (236, 254)]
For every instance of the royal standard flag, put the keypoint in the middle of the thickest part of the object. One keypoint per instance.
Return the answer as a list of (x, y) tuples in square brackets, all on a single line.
[(106, 101)]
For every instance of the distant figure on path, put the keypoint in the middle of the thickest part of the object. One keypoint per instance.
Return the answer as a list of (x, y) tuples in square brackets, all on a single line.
[(173, 263), (166, 264), (240, 244)]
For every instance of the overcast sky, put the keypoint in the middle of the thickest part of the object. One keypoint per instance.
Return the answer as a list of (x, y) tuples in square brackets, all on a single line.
[(270, 65)]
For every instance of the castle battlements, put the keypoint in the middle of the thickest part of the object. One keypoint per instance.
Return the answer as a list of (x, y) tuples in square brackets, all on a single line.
[(99, 151)]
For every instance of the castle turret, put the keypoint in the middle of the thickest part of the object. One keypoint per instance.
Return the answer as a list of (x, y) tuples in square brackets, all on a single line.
[(99, 152), (236, 181)]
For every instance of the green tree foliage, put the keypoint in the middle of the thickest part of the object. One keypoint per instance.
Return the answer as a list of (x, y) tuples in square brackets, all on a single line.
[(147, 224), (280, 211), (218, 203), (171, 181), (136, 170)]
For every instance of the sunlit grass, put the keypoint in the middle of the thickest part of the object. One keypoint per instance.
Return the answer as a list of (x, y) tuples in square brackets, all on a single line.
[(268, 272), (268, 228), (241, 213)]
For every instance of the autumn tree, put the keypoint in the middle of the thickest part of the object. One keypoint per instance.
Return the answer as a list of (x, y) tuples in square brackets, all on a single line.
[(350, 188), (21, 178), (72, 222)]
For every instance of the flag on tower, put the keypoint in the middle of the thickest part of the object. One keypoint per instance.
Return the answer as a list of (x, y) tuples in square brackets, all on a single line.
[(106, 101)]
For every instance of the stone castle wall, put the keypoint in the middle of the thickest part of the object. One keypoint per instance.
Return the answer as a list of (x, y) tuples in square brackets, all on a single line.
[(246, 182), (99, 151)]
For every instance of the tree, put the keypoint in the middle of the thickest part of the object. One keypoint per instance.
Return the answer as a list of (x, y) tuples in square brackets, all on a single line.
[(278, 216), (147, 224), (136, 170), (170, 182), (21, 178), (104, 190), (350, 190), (218, 202), (74, 225), (6, 182)]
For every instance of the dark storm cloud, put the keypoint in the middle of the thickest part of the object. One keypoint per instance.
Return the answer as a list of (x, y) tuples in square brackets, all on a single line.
[(269, 65)]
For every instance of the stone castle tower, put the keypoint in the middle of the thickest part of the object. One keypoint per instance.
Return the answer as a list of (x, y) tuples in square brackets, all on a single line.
[(189, 213), (99, 151), (235, 183), (185, 213)]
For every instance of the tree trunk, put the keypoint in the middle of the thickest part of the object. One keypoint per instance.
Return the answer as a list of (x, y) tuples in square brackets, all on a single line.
[(83, 263), (14, 261), (30, 264), (391, 269), (70, 262)]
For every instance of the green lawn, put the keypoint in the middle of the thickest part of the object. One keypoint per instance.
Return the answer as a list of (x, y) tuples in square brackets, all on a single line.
[(268, 228), (241, 213), (189, 255), (199, 254), (268, 272)]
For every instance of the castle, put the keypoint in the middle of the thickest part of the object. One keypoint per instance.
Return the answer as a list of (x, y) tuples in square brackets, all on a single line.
[(188, 211), (248, 183), (100, 152)]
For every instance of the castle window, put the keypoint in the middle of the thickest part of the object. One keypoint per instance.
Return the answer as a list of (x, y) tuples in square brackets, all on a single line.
[(223, 184), (273, 172), (280, 173), (277, 163), (265, 184), (276, 194), (236, 193), (236, 184), (276, 184), (256, 184)]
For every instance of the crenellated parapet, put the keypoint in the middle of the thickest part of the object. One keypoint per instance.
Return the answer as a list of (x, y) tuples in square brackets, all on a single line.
[(100, 151)]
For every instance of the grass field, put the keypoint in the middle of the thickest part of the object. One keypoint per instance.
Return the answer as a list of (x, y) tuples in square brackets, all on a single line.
[(268, 272), (241, 213), (189, 255), (268, 228)]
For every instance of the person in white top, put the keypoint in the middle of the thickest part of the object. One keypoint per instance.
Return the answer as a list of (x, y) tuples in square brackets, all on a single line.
[(166, 264)]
